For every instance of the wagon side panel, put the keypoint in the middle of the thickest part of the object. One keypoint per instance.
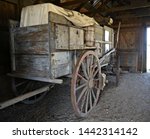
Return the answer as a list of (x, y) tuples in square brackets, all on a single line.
[(31, 51), (61, 64)]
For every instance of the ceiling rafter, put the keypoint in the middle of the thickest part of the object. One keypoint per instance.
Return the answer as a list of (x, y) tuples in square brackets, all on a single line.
[(98, 10), (134, 14), (126, 8), (72, 2), (124, 2), (81, 5), (93, 10)]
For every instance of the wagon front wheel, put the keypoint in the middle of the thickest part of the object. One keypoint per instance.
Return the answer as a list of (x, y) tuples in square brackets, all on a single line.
[(86, 84)]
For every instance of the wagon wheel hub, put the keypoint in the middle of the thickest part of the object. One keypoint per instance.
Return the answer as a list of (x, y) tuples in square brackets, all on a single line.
[(91, 83)]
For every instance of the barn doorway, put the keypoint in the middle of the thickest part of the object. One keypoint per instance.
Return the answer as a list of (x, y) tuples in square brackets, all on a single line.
[(148, 50)]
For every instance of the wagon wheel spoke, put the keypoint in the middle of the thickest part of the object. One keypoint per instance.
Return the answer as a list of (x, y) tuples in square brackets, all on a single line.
[(93, 95), (95, 72), (94, 66), (88, 65), (83, 102), (87, 102), (85, 85), (90, 97), (81, 86), (84, 70), (23, 86), (82, 78), (91, 66), (82, 94)]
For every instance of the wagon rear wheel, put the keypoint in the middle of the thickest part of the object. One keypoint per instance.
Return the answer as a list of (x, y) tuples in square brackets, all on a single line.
[(86, 84), (22, 86)]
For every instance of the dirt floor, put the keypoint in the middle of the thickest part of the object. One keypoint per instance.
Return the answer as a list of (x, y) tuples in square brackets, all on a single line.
[(130, 101)]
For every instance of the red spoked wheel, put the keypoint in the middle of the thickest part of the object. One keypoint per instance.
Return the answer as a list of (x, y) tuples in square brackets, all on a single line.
[(86, 84)]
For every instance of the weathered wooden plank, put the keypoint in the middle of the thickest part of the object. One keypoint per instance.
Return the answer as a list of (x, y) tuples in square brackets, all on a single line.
[(71, 2), (23, 97), (61, 64), (129, 38), (34, 65), (98, 33), (42, 79), (129, 60), (62, 37), (69, 38), (33, 33), (32, 47), (126, 8), (76, 38)]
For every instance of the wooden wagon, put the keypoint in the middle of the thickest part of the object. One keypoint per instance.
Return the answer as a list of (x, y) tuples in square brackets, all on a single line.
[(42, 54)]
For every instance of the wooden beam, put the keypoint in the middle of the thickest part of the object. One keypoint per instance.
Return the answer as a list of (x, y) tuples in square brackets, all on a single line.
[(132, 16), (127, 25), (72, 2), (94, 10), (80, 6), (124, 2), (23, 97), (42, 79), (125, 8), (104, 3)]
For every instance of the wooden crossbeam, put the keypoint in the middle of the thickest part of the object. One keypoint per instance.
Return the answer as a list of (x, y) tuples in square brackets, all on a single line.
[(104, 3), (94, 10), (124, 2), (23, 97), (72, 2), (126, 8), (132, 16), (81, 5), (144, 12)]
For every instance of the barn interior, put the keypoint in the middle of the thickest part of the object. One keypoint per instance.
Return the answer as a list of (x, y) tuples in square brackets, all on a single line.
[(133, 49)]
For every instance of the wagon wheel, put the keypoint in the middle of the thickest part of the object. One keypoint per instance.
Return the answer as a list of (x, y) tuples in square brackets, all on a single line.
[(86, 84), (22, 86)]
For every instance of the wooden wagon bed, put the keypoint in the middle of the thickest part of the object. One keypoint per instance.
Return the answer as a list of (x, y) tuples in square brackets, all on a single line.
[(43, 53)]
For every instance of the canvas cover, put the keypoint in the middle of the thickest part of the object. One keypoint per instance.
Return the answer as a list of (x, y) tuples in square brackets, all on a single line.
[(38, 14)]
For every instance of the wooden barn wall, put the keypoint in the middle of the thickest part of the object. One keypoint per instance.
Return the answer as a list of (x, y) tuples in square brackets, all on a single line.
[(8, 10), (130, 48)]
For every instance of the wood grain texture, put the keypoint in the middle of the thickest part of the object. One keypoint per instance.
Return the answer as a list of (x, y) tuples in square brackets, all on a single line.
[(32, 47), (129, 48), (33, 33), (32, 65)]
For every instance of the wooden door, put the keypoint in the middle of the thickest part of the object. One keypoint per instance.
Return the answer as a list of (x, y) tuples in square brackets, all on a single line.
[(128, 48)]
